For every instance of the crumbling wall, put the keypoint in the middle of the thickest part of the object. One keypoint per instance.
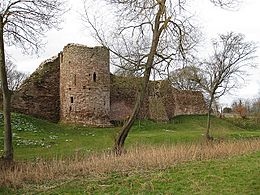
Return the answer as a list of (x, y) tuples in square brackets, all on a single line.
[(162, 101), (77, 87), (157, 98), (123, 97), (1, 100), (157, 109), (189, 102), (169, 103), (39, 94), (85, 85)]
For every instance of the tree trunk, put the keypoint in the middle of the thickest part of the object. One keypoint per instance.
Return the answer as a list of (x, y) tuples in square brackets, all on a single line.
[(119, 143), (8, 147), (208, 137)]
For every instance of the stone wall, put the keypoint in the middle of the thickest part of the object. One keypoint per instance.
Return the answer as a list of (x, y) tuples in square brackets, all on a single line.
[(188, 102), (77, 87), (85, 85), (39, 94), (123, 96), (1, 100), (162, 103)]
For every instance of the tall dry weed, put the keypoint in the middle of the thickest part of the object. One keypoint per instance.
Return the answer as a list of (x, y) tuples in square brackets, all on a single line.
[(141, 158)]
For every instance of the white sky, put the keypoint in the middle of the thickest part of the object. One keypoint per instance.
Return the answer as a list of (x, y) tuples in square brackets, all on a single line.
[(212, 19)]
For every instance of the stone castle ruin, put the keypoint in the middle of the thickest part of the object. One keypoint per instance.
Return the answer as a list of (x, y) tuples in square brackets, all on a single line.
[(84, 85), (77, 87)]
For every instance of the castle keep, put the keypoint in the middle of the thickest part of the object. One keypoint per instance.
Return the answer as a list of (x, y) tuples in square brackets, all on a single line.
[(76, 87), (84, 85)]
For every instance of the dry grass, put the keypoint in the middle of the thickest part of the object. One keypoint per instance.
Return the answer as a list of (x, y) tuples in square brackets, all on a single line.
[(146, 158)]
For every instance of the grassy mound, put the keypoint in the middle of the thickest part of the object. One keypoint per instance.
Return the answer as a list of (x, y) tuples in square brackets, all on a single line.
[(162, 158), (35, 138)]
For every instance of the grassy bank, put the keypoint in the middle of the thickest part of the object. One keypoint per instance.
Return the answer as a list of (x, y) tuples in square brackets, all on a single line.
[(238, 175), (35, 138), (162, 158), (184, 168)]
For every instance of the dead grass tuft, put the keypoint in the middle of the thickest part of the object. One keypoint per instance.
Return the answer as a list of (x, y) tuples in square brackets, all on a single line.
[(141, 158)]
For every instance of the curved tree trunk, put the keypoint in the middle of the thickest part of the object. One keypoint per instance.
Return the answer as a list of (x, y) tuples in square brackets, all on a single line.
[(119, 143), (157, 31), (8, 148), (208, 137)]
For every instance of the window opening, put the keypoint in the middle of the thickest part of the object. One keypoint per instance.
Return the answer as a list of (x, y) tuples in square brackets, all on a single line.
[(61, 57), (94, 77), (75, 80), (71, 100)]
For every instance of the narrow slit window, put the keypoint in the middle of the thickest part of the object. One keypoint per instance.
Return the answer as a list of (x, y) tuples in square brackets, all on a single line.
[(71, 100), (75, 79), (61, 58), (94, 77), (70, 108)]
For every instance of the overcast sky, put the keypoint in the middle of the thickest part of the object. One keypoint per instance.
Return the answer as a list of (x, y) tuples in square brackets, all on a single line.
[(213, 21)]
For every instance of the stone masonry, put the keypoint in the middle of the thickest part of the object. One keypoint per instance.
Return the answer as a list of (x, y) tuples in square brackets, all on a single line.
[(85, 85), (76, 87), (39, 94)]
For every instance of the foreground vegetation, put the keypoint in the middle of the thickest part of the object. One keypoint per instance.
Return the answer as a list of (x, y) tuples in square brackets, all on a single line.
[(238, 175), (35, 138), (161, 158), (141, 170)]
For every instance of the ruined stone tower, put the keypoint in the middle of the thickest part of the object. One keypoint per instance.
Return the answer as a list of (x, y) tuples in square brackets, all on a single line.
[(74, 87), (84, 85)]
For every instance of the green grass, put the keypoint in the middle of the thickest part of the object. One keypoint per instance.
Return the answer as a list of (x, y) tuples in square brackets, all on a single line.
[(250, 123), (240, 175), (237, 175), (35, 138)]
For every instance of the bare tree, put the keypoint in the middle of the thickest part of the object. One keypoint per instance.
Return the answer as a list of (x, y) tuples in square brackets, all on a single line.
[(127, 71), (182, 78), (226, 4), (14, 77), (225, 68), (23, 24), (149, 34)]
